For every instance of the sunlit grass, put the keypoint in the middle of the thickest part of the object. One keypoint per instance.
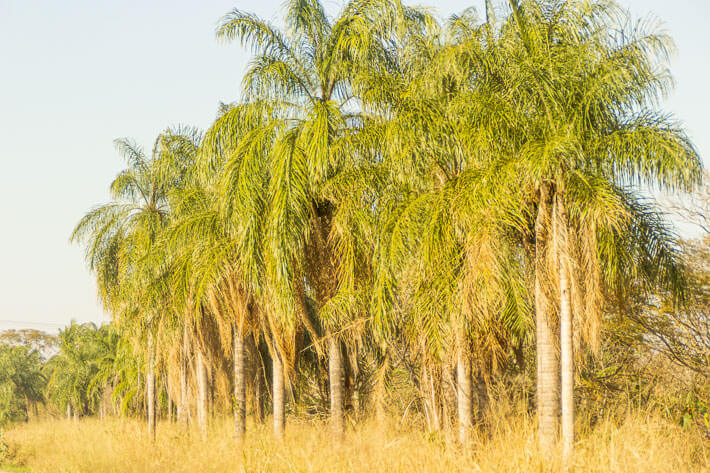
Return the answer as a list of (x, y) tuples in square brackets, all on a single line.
[(641, 444)]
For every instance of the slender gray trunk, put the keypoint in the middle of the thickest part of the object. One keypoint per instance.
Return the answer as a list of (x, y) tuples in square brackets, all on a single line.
[(259, 378), (352, 377), (183, 406), (278, 394), (381, 391), (68, 411), (239, 386), (355, 396), (183, 403), (566, 349), (434, 410), (210, 395), (548, 369), (150, 388), (335, 371), (201, 394), (259, 396), (464, 393), (482, 398)]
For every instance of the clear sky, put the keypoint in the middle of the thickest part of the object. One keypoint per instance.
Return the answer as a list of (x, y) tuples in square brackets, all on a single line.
[(76, 74)]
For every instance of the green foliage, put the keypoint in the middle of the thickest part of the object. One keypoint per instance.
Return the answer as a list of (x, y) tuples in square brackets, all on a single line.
[(696, 413), (382, 182), (92, 360), (21, 382)]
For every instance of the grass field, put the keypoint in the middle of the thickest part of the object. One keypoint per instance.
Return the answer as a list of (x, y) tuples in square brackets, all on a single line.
[(641, 444)]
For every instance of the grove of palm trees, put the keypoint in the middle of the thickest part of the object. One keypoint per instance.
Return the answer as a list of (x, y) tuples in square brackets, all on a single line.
[(437, 239)]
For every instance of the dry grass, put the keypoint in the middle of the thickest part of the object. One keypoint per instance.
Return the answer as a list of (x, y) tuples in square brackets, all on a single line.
[(642, 444)]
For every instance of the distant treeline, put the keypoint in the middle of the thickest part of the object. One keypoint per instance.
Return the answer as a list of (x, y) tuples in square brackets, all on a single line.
[(82, 371)]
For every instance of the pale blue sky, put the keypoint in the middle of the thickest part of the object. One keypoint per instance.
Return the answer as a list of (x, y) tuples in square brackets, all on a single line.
[(76, 74)]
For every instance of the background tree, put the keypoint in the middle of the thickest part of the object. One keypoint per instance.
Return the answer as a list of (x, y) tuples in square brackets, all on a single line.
[(21, 382)]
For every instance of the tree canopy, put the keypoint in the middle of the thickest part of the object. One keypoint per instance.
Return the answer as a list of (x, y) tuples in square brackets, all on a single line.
[(394, 197)]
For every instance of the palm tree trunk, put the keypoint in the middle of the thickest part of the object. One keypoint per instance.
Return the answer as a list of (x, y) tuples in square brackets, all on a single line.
[(150, 388), (566, 349), (258, 397), (352, 377), (277, 373), (464, 393), (259, 390), (335, 369), (210, 398), (201, 394), (182, 413), (547, 362), (182, 407), (482, 398), (239, 386), (430, 392), (381, 390), (259, 376)]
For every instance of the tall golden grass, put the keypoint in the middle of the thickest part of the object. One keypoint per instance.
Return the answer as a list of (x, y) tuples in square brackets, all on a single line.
[(640, 444)]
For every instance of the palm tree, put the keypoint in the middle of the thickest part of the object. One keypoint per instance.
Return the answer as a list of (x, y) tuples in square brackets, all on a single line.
[(303, 74), (117, 366), (120, 235), (215, 237), (564, 157), (71, 372), (445, 254), (592, 132), (22, 382)]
